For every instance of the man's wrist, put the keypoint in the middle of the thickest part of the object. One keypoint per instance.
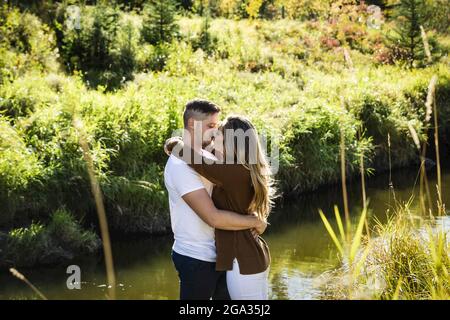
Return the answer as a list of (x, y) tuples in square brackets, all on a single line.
[(256, 222)]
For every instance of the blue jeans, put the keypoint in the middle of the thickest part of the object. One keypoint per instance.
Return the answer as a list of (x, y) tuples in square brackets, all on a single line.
[(199, 279)]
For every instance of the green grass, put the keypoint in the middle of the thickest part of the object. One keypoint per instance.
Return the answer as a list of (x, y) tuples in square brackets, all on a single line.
[(407, 258)]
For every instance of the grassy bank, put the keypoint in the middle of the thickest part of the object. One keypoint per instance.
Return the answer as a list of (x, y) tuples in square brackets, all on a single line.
[(61, 240), (287, 76)]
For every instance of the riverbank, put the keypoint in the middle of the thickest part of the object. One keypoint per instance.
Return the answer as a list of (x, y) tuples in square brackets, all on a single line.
[(290, 89)]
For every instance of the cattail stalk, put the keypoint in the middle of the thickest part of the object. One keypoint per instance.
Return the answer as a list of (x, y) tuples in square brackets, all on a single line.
[(426, 45), (363, 187), (343, 178), (416, 140), (431, 99), (21, 277), (391, 184), (97, 193)]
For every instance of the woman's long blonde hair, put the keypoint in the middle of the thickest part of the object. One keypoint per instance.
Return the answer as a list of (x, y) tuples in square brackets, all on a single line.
[(252, 157)]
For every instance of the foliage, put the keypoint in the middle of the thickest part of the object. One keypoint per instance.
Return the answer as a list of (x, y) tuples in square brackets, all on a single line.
[(205, 40), (97, 44), (437, 15), (159, 24), (407, 40), (407, 259), (253, 8), (60, 240), (304, 9), (25, 43)]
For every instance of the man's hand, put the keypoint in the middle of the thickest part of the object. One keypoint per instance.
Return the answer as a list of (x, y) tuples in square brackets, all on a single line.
[(259, 228), (172, 143)]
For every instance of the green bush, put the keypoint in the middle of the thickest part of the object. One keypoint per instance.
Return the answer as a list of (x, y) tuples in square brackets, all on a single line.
[(67, 233), (62, 239), (138, 205), (25, 43), (19, 170), (437, 15), (311, 148)]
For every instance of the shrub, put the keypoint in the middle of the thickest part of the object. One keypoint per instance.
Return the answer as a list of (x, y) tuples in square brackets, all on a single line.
[(25, 43), (437, 15), (137, 205), (19, 168), (311, 144), (61, 240), (158, 56), (68, 233), (304, 9)]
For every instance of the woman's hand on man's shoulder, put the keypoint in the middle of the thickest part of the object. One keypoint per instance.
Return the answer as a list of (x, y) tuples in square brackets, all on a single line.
[(172, 143)]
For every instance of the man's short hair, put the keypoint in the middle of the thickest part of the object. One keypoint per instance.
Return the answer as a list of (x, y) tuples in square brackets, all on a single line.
[(199, 109)]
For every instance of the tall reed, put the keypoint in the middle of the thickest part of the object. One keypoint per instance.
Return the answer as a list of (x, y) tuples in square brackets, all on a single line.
[(21, 277), (97, 193), (426, 45)]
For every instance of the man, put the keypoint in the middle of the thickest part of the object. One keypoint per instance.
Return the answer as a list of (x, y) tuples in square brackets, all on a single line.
[(193, 214)]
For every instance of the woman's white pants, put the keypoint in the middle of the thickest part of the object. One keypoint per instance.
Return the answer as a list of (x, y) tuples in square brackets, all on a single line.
[(247, 286)]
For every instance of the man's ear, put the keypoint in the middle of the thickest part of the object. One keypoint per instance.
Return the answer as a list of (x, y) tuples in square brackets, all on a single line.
[(190, 123)]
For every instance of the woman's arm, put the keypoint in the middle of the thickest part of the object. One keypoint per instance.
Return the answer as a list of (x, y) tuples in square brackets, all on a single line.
[(217, 173)]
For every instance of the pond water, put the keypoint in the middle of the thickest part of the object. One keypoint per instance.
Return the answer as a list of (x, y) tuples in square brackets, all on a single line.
[(300, 247)]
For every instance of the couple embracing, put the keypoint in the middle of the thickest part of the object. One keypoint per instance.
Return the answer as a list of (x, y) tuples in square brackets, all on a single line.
[(220, 195)]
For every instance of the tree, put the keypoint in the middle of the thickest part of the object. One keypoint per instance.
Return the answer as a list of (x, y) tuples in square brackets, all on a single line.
[(205, 40), (407, 40), (94, 41), (159, 22), (102, 37)]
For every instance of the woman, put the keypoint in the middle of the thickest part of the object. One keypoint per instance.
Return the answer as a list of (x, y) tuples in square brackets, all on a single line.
[(243, 186)]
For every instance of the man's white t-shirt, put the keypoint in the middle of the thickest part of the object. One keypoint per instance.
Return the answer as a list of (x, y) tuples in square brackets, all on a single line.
[(193, 237)]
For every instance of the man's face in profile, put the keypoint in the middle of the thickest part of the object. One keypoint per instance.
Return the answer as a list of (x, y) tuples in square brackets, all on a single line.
[(209, 128)]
